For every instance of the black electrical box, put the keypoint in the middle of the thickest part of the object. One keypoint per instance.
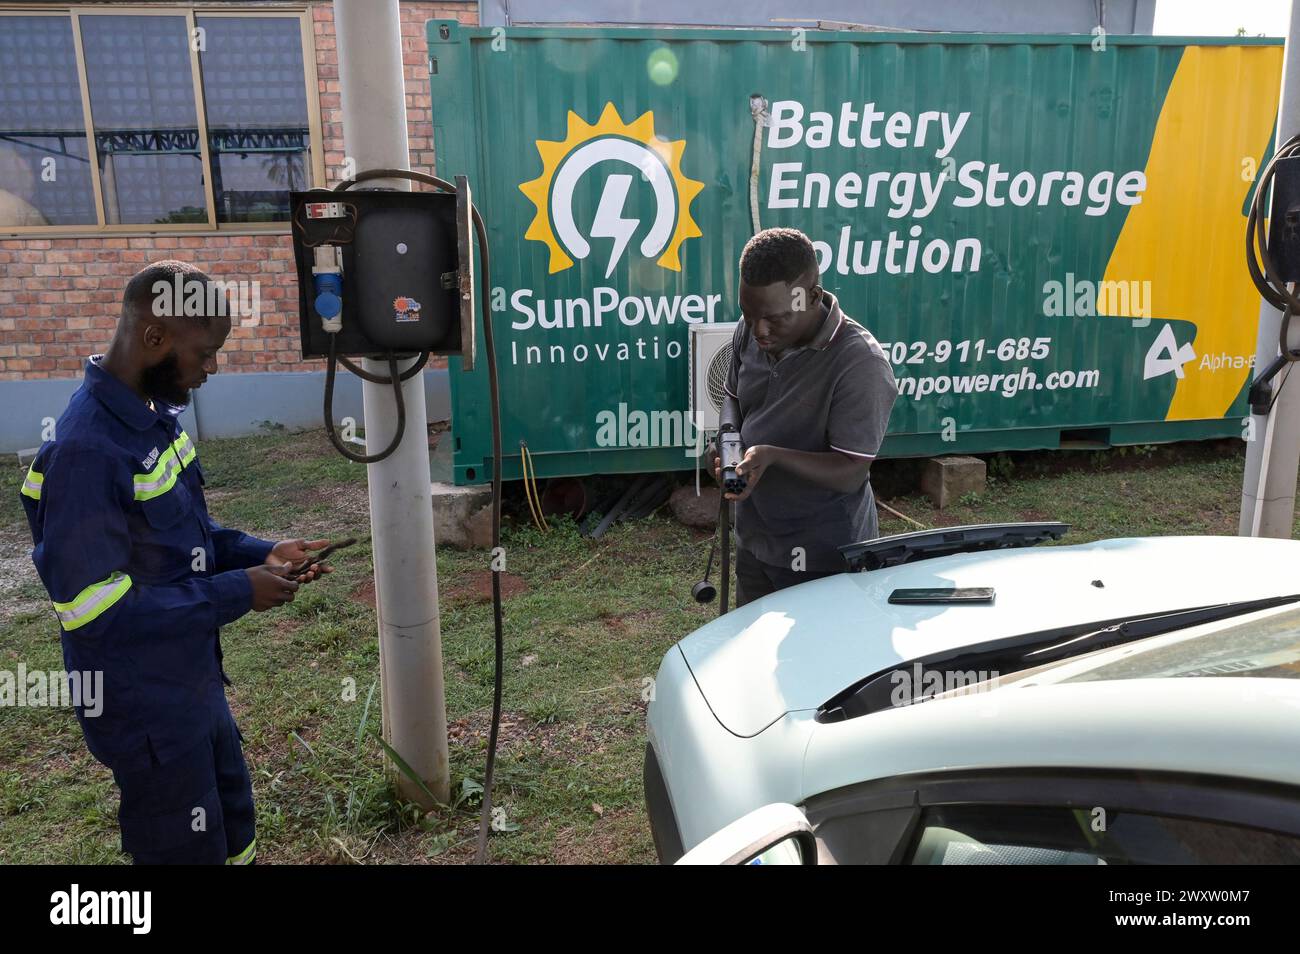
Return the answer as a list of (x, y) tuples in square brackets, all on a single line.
[(400, 288), (1284, 221)]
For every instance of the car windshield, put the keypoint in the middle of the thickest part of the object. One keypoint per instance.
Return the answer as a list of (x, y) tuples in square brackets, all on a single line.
[(1266, 647)]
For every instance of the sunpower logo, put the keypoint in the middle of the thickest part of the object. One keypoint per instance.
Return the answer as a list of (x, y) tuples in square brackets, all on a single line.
[(635, 145)]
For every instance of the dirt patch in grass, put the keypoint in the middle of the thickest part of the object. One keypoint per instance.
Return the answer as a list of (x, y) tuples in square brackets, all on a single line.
[(365, 593), (342, 505), (16, 571), (560, 738), (609, 838), (932, 517), (472, 731), (621, 623), (476, 587), (294, 447), (286, 625)]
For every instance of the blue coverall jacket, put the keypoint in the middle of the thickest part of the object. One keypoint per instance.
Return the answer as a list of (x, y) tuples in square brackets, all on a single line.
[(141, 577)]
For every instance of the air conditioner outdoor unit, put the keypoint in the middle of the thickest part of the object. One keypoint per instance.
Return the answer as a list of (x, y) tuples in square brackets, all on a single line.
[(710, 352)]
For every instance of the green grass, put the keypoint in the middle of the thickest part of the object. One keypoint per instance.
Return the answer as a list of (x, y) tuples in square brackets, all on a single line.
[(590, 620)]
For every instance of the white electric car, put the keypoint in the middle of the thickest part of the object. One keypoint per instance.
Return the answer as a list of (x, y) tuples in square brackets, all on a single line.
[(1118, 702)]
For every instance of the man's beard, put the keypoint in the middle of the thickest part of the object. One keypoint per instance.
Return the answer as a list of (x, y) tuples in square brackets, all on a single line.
[(162, 381)]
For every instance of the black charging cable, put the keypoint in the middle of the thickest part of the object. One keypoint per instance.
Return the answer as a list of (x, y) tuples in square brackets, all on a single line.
[(724, 533), (704, 591), (393, 378), (730, 455), (1263, 271), (1272, 287)]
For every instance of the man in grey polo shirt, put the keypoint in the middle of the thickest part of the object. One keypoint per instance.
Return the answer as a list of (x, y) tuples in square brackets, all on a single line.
[(812, 391)]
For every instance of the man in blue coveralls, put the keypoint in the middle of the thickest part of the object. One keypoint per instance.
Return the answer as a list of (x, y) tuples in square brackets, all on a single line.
[(142, 578)]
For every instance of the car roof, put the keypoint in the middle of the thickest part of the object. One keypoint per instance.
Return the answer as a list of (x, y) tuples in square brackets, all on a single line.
[(796, 648)]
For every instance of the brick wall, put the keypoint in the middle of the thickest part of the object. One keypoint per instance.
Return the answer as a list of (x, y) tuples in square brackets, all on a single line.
[(60, 296)]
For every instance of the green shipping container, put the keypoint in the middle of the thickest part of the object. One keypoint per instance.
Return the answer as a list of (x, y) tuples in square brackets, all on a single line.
[(1045, 232)]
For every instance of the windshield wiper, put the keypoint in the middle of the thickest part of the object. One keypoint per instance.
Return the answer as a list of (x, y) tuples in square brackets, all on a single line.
[(927, 544), (1145, 626), (875, 693)]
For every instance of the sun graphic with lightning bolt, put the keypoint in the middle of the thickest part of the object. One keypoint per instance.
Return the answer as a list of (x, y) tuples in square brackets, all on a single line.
[(658, 162)]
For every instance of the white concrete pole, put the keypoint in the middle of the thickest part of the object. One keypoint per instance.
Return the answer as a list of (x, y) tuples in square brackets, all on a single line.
[(401, 509), (1273, 456)]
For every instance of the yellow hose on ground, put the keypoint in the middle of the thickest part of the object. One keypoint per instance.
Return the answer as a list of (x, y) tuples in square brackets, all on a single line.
[(530, 488)]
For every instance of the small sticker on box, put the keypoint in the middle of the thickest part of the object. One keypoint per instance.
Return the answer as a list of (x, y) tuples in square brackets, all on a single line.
[(406, 309)]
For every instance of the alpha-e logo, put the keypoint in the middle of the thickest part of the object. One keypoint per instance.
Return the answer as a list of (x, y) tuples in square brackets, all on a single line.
[(1166, 355), (614, 144)]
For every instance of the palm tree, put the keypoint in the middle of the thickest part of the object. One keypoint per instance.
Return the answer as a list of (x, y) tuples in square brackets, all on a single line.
[(284, 168)]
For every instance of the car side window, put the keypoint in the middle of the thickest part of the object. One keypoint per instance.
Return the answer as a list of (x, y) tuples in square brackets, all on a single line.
[(987, 834)]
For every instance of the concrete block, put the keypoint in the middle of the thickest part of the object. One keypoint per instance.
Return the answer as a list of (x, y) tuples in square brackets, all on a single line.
[(693, 511), (462, 516), (946, 479)]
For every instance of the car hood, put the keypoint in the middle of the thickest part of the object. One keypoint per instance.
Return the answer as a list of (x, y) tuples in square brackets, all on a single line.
[(797, 648)]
